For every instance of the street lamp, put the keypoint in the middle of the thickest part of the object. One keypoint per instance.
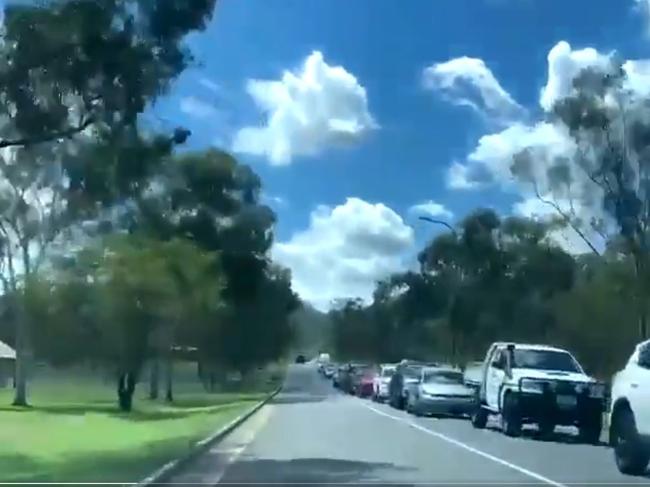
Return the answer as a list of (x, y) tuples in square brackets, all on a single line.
[(437, 222)]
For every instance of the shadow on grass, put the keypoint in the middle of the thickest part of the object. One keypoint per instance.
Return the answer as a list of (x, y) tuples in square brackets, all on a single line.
[(123, 466), (154, 411), (311, 471)]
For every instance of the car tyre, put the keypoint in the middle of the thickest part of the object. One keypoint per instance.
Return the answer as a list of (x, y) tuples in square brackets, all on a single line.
[(401, 403), (590, 430), (479, 417), (510, 416), (630, 453)]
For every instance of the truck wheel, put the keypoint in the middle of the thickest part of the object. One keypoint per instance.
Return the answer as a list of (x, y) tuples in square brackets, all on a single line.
[(510, 416), (590, 430), (479, 417), (630, 453)]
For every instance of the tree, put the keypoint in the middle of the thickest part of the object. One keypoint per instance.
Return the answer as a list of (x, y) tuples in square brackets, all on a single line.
[(109, 306), (212, 200), (608, 169), (75, 75), (500, 276), (259, 330)]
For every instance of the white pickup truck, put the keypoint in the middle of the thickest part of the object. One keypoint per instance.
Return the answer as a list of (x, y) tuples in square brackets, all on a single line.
[(525, 383), (629, 421)]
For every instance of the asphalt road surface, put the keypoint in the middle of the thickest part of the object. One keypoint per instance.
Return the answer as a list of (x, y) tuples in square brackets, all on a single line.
[(312, 434)]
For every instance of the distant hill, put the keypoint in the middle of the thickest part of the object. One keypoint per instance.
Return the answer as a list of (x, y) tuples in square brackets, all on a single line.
[(313, 329)]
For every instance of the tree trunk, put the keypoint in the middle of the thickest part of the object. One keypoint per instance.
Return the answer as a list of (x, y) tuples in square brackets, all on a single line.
[(641, 297), (125, 390), (154, 378), (22, 360), (169, 379)]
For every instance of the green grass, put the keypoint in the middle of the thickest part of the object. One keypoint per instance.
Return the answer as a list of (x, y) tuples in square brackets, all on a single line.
[(73, 431)]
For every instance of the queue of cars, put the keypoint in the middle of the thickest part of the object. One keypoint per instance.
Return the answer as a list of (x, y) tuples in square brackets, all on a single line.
[(519, 384), (419, 388)]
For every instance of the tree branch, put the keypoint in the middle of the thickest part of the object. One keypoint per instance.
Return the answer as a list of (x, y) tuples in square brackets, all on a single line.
[(49, 137), (567, 219)]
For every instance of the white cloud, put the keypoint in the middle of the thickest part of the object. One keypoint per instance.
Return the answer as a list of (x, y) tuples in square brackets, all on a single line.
[(274, 200), (344, 251), (190, 105), (469, 82), (431, 208), (459, 177), (492, 158), (544, 152), (564, 64), (307, 111), (210, 85)]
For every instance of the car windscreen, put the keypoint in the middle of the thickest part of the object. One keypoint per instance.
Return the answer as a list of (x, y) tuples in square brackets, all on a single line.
[(443, 377), (545, 360), (412, 372), (389, 372), (364, 370)]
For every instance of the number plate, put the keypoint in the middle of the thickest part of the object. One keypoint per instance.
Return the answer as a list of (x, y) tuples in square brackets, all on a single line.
[(566, 401)]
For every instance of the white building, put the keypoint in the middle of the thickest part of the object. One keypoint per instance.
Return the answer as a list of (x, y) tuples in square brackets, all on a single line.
[(7, 363)]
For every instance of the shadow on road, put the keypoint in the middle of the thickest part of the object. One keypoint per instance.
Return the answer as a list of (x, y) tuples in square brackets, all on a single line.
[(555, 437), (297, 398), (312, 471)]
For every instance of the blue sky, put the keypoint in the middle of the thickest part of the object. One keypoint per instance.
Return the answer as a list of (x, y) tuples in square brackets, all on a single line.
[(349, 129)]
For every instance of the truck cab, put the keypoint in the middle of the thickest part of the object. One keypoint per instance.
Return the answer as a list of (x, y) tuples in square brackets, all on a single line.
[(526, 383)]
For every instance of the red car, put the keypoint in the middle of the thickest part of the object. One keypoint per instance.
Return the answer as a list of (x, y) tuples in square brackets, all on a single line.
[(363, 380)]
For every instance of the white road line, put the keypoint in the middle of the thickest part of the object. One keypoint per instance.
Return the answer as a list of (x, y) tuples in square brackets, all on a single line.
[(233, 454), (471, 449)]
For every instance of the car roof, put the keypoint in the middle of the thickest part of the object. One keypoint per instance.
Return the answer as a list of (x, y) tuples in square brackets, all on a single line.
[(388, 366), (530, 346), (441, 369)]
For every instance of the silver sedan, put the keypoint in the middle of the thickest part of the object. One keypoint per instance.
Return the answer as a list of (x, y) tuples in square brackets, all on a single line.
[(441, 391)]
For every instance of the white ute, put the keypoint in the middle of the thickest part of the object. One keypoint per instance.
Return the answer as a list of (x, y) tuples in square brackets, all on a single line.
[(538, 384), (629, 421)]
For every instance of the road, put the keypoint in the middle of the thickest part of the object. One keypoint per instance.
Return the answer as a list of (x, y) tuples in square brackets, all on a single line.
[(312, 434)]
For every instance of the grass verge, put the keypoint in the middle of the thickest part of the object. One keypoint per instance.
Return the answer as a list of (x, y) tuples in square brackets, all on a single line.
[(74, 432)]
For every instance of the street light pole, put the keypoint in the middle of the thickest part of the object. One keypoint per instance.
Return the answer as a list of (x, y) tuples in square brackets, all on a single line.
[(438, 222)]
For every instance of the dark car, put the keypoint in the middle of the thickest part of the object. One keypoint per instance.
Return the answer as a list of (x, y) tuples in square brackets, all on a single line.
[(300, 359), (347, 376)]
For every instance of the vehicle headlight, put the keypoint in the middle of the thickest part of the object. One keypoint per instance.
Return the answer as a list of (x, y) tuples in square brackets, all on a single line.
[(532, 386), (597, 391)]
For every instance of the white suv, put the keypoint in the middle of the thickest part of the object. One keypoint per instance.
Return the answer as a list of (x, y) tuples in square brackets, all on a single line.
[(381, 382), (525, 383), (629, 430)]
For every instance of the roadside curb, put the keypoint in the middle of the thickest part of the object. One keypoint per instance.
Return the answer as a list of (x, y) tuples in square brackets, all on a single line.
[(170, 468)]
